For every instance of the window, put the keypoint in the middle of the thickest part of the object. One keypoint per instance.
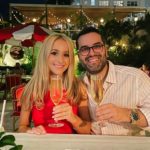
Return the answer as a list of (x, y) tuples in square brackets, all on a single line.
[(77, 2), (85, 2), (118, 3), (92, 2), (132, 3), (103, 3)]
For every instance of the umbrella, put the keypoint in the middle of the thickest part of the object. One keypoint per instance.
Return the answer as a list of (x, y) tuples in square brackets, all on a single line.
[(6, 33), (26, 34), (23, 35)]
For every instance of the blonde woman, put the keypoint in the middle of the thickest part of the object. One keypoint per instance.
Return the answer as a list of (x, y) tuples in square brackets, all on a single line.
[(56, 57)]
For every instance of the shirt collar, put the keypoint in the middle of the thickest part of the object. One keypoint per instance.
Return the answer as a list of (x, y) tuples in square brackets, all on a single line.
[(111, 76)]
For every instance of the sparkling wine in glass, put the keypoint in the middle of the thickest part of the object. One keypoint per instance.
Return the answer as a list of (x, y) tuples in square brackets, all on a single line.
[(96, 91), (96, 88), (56, 92)]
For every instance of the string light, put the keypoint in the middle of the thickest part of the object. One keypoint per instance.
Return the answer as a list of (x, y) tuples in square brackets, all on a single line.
[(14, 12), (34, 19), (58, 20), (17, 19), (68, 20)]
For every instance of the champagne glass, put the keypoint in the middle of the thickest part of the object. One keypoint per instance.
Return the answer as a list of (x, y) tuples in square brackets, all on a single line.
[(96, 91), (56, 92), (96, 88)]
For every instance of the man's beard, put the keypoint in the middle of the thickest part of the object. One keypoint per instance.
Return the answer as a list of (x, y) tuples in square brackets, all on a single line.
[(96, 69)]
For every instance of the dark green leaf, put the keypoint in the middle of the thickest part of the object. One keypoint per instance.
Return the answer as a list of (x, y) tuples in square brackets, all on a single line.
[(17, 147), (1, 134), (7, 140)]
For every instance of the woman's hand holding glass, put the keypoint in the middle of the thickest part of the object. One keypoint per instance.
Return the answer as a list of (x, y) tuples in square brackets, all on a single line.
[(63, 111)]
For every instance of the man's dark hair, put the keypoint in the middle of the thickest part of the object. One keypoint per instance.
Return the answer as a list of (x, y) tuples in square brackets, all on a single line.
[(85, 31)]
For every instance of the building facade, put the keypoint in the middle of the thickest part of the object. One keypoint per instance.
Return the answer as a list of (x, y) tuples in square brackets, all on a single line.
[(110, 3)]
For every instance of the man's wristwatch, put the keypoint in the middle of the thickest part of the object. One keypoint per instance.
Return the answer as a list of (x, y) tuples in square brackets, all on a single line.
[(134, 116)]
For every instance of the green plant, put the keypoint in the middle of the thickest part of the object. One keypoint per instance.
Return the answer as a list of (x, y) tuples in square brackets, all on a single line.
[(9, 140), (28, 66)]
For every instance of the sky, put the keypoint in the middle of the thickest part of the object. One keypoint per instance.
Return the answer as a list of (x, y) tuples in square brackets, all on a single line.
[(4, 6), (27, 1)]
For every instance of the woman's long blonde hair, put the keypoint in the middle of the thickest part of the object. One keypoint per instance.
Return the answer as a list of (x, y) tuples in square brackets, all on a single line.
[(39, 84)]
